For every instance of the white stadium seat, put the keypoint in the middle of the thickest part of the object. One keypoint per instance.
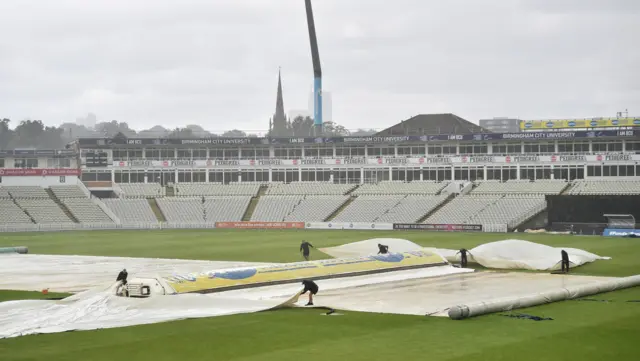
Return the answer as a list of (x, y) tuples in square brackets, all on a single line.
[(131, 210), (605, 186)]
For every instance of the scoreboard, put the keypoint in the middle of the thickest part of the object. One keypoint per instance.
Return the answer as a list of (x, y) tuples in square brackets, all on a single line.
[(97, 159)]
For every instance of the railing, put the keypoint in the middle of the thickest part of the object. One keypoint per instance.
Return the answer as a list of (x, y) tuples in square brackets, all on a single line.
[(58, 227)]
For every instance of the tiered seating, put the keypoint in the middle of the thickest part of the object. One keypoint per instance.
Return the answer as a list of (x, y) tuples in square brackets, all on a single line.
[(27, 192), (142, 190), (520, 187), (68, 192), (316, 208), (462, 208), (4, 194), (605, 186), (309, 188), (399, 187), (217, 189), (368, 208), (131, 210), (44, 210), (411, 209), (11, 213), (225, 209), (85, 210), (275, 208), (182, 210), (510, 210)]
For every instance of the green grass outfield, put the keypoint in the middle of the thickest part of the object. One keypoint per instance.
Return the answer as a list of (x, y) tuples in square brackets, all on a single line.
[(581, 330)]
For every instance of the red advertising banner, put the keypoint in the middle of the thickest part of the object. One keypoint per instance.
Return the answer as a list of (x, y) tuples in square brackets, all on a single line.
[(43, 172), (260, 225)]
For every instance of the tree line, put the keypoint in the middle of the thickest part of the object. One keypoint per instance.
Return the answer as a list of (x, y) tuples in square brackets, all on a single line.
[(35, 134)]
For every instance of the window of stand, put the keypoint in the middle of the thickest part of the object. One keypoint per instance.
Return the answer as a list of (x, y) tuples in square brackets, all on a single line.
[(468, 173), (539, 148), (58, 163), (346, 176), (1, 162), (441, 149), (287, 153), (375, 175), (568, 172), (470, 148), (406, 174), (613, 171), (632, 146), (612, 146), (436, 174), (381, 151), (255, 175), (573, 147), (350, 151), (25, 163), (94, 176)]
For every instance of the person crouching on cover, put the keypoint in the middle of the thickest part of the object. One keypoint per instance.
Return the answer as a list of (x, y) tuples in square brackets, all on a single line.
[(312, 288), (382, 249)]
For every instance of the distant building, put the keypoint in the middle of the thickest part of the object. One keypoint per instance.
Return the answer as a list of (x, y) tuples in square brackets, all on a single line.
[(501, 125), (431, 124), (327, 112)]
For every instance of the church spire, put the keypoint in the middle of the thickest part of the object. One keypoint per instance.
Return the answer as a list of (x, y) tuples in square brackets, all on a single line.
[(279, 119)]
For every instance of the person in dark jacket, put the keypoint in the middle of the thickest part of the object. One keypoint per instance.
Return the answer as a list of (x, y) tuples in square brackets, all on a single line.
[(565, 261), (463, 257), (382, 249), (122, 276), (312, 288), (304, 248)]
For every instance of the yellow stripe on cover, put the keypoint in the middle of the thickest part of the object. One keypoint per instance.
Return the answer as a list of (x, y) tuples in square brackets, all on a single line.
[(220, 280)]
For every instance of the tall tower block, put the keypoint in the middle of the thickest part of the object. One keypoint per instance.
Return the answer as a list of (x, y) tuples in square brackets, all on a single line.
[(317, 71)]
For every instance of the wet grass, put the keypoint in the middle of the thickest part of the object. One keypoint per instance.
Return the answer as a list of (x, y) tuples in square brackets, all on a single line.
[(580, 330)]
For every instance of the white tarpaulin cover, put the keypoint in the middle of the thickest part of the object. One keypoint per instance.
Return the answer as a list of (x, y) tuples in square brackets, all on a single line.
[(35, 272), (99, 308), (507, 254), (425, 291), (525, 255)]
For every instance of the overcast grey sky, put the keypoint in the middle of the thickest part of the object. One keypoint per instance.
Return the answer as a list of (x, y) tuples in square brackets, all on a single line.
[(215, 63)]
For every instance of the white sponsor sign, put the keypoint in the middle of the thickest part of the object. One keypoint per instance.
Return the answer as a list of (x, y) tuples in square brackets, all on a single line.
[(350, 225), (381, 161)]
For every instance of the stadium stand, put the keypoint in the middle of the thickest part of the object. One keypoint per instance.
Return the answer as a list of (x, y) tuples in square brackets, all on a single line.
[(141, 190), (10, 213), (399, 187), (520, 187), (131, 210), (43, 210), (182, 210), (85, 210), (309, 188), (605, 186), (275, 208), (411, 209), (368, 208), (510, 210), (68, 192), (217, 189), (489, 209), (225, 209), (461, 209), (316, 208), (27, 192)]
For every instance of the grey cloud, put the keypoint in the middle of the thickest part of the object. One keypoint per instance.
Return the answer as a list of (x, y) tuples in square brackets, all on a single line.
[(215, 63)]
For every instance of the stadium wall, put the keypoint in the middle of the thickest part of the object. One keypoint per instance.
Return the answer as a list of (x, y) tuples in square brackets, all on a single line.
[(586, 212), (301, 226)]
